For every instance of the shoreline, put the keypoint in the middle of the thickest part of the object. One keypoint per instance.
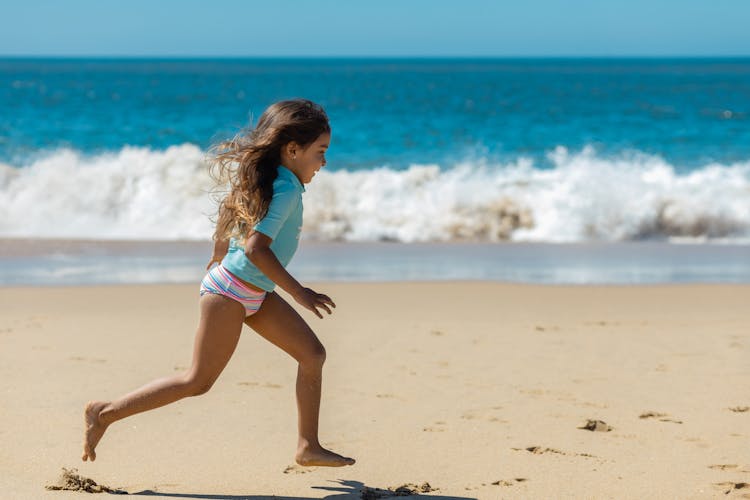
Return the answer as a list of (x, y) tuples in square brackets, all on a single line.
[(79, 262), (418, 283)]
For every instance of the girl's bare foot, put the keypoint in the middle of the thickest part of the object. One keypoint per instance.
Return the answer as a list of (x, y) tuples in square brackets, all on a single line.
[(94, 429), (317, 456)]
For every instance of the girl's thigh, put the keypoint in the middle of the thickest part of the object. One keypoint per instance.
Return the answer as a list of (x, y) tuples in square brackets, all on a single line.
[(218, 332), (279, 323)]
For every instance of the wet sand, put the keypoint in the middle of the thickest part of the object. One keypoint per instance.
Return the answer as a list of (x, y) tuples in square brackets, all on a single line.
[(482, 390), (53, 262)]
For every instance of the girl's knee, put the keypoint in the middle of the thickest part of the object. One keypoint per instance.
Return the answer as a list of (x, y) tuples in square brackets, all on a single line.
[(201, 389), (196, 385), (315, 356)]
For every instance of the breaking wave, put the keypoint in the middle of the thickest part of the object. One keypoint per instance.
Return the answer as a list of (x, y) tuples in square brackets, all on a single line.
[(142, 194)]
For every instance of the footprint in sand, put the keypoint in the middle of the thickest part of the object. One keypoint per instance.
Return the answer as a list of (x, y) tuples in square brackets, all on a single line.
[(723, 466), (71, 481), (660, 416), (436, 428), (651, 414), (296, 469), (404, 490), (596, 425), (670, 420), (728, 486), (538, 450), (503, 482), (542, 328)]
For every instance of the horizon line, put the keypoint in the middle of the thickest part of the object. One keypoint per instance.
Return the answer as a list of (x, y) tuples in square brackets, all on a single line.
[(416, 56)]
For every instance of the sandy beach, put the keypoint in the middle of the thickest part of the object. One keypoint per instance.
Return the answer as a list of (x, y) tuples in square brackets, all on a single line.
[(479, 389)]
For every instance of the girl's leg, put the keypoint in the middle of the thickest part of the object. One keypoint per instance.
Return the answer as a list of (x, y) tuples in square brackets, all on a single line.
[(281, 325), (218, 332)]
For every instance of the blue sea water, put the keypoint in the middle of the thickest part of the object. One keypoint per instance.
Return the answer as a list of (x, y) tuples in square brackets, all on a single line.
[(537, 151), (690, 112)]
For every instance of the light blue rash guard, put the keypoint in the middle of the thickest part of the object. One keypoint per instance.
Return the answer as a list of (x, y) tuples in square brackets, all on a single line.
[(282, 223)]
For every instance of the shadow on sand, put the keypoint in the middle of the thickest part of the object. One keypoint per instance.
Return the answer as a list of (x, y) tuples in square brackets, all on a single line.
[(346, 490)]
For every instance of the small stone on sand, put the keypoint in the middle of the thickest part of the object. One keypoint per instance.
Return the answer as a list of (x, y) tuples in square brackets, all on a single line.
[(596, 425)]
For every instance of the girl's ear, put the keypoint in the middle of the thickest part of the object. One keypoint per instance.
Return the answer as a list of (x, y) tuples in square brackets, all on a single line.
[(291, 149)]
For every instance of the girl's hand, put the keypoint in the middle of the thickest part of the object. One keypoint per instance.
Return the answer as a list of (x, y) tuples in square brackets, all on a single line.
[(216, 259), (313, 300), (221, 247)]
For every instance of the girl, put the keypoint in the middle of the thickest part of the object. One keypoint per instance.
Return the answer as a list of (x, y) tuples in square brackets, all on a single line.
[(257, 233)]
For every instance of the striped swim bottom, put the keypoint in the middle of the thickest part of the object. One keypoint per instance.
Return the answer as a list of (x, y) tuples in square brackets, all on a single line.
[(221, 282)]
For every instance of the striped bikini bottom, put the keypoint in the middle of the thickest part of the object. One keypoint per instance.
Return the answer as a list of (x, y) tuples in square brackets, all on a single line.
[(221, 282)]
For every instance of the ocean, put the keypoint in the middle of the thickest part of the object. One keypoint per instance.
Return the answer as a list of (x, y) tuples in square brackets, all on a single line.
[(587, 170)]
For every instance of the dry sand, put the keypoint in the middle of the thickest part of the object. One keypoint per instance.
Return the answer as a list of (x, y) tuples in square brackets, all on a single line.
[(482, 390)]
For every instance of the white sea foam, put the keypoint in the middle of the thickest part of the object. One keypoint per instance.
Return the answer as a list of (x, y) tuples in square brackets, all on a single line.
[(135, 193), (138, 193)]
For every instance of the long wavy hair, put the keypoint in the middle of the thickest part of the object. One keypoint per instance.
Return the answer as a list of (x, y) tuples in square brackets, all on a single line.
[(248, 164)]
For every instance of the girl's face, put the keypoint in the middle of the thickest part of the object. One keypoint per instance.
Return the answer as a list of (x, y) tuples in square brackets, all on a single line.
[(306, 162)]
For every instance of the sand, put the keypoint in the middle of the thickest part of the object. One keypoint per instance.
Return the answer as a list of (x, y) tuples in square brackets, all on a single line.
[(481, 390)]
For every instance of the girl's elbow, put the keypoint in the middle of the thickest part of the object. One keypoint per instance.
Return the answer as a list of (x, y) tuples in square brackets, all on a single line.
[(256, 246), (251, 253), (254, 253)]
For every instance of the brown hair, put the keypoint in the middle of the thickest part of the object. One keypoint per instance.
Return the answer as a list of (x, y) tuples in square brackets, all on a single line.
[(248, 164)]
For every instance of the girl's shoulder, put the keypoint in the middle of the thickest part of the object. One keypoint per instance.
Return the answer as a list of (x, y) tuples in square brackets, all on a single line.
[(285, 186)]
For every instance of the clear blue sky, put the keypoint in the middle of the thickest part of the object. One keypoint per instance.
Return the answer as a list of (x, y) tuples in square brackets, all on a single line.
[(375, 28)]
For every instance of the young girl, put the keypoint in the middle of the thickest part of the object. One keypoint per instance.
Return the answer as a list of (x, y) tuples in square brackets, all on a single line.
[(257, 233)]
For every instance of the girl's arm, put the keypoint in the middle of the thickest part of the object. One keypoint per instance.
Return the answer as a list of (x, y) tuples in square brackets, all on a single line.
[(258, 251), (221, 247)]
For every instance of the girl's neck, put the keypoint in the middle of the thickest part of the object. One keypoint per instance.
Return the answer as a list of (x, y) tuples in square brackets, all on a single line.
[(292, 171)]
